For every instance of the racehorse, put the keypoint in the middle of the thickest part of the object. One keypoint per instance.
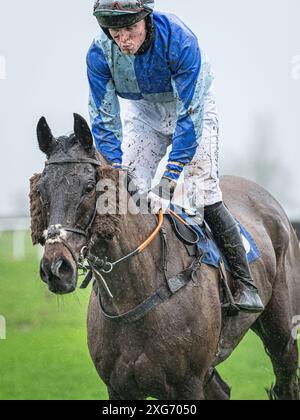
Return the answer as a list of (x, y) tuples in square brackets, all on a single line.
[(171, 351)]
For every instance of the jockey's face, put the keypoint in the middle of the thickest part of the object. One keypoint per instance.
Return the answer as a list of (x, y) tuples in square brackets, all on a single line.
[(130, 39)]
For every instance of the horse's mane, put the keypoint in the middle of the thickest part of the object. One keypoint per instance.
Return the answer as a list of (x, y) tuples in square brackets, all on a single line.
[(107, 226), (104, 226), (38, 218)]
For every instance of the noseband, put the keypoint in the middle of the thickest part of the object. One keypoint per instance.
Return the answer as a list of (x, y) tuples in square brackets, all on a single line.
[(57, 233)]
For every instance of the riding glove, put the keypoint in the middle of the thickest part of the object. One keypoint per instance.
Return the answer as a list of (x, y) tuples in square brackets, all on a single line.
[(161, 195)]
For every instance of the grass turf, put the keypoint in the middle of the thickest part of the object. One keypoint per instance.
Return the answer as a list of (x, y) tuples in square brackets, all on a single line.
[(45, 355)]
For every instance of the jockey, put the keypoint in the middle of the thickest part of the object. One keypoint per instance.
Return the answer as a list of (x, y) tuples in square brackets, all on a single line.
[(153, 60)]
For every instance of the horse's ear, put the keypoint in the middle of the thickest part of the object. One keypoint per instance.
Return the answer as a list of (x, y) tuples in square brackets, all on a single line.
[(46, 140), (83, 132)]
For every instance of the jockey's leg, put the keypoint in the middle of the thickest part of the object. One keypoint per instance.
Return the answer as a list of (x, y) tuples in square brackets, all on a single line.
[(203, 190), (145, 141), (201, 176), (227, 235)]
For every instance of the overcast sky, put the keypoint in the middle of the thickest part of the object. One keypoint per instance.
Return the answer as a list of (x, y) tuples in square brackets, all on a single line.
[(254, 46)]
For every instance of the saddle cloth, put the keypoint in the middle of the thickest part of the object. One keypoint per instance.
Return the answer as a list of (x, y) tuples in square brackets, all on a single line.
[(206, 244)]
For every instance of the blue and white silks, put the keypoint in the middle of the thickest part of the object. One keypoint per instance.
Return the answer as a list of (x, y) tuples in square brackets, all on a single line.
[(173, 69)]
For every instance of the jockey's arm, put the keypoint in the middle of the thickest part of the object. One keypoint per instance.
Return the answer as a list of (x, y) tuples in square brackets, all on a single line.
[(104, 107)]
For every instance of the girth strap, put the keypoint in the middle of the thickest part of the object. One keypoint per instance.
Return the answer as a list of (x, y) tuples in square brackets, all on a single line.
[(140, 311), (163, 294)]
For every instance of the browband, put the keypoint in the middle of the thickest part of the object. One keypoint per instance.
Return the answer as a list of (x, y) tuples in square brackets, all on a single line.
[(62, 161)]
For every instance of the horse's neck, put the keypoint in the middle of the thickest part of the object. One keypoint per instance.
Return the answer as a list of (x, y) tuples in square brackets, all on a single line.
[(135, 279)]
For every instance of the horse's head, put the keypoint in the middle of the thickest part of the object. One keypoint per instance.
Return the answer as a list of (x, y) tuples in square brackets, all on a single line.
[(63, 202)]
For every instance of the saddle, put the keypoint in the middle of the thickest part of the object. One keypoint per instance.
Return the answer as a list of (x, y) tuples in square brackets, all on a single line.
[(196, 235), (199, 242), (187, 227)]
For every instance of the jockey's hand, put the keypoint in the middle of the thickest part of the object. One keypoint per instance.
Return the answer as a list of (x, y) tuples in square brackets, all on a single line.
[(129, 177), (161, 196)]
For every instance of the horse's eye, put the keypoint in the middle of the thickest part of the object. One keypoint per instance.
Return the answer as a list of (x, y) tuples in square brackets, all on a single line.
[(89, 188)]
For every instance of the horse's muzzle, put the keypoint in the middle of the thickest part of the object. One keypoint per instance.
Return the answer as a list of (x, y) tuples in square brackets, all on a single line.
[(59, 274)]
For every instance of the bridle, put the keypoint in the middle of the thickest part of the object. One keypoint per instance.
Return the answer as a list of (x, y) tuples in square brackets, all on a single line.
[(94, 266), (87, 262), (55, 233)]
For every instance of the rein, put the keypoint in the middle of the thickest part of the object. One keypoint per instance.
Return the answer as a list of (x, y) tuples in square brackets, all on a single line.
[(98, 266), (92, 265)]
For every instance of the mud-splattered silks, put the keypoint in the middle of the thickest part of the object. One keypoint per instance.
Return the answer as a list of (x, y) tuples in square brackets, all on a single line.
[(170, 101)]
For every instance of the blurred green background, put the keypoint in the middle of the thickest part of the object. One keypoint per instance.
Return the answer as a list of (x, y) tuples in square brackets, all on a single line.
[(45, 354)]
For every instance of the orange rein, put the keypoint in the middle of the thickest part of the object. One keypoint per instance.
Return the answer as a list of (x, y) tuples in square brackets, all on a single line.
[(155, 233), (177, 217), (142, 247)]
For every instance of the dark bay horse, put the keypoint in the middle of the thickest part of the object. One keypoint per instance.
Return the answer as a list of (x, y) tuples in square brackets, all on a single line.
[(170, 352)]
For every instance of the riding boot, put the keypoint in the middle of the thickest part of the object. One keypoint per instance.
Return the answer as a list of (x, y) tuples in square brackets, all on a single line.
[(227, 236)]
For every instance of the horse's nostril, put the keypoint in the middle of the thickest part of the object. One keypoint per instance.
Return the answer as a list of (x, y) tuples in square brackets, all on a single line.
[(43, 272), (64, 269), (59, 275), (55, 267), (59, 269)]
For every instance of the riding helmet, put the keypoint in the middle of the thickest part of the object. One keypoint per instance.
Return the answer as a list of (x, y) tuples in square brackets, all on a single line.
[(122, 13)]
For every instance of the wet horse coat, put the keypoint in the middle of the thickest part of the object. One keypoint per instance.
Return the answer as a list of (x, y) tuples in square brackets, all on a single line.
[(169, 353)]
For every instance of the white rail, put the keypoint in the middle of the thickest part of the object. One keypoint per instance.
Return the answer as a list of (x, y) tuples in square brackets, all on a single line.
[(19, 227), (14, 223)]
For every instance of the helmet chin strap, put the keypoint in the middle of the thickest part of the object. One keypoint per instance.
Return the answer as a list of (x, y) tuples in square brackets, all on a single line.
[(107, 33), (150, 29)]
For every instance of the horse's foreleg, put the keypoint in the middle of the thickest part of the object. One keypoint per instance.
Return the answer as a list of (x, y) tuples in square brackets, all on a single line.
[(114, 396), (215, 388), (191, 390)]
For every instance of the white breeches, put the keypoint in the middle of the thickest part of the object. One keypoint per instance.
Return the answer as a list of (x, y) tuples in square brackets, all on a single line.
[(148, 132)]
